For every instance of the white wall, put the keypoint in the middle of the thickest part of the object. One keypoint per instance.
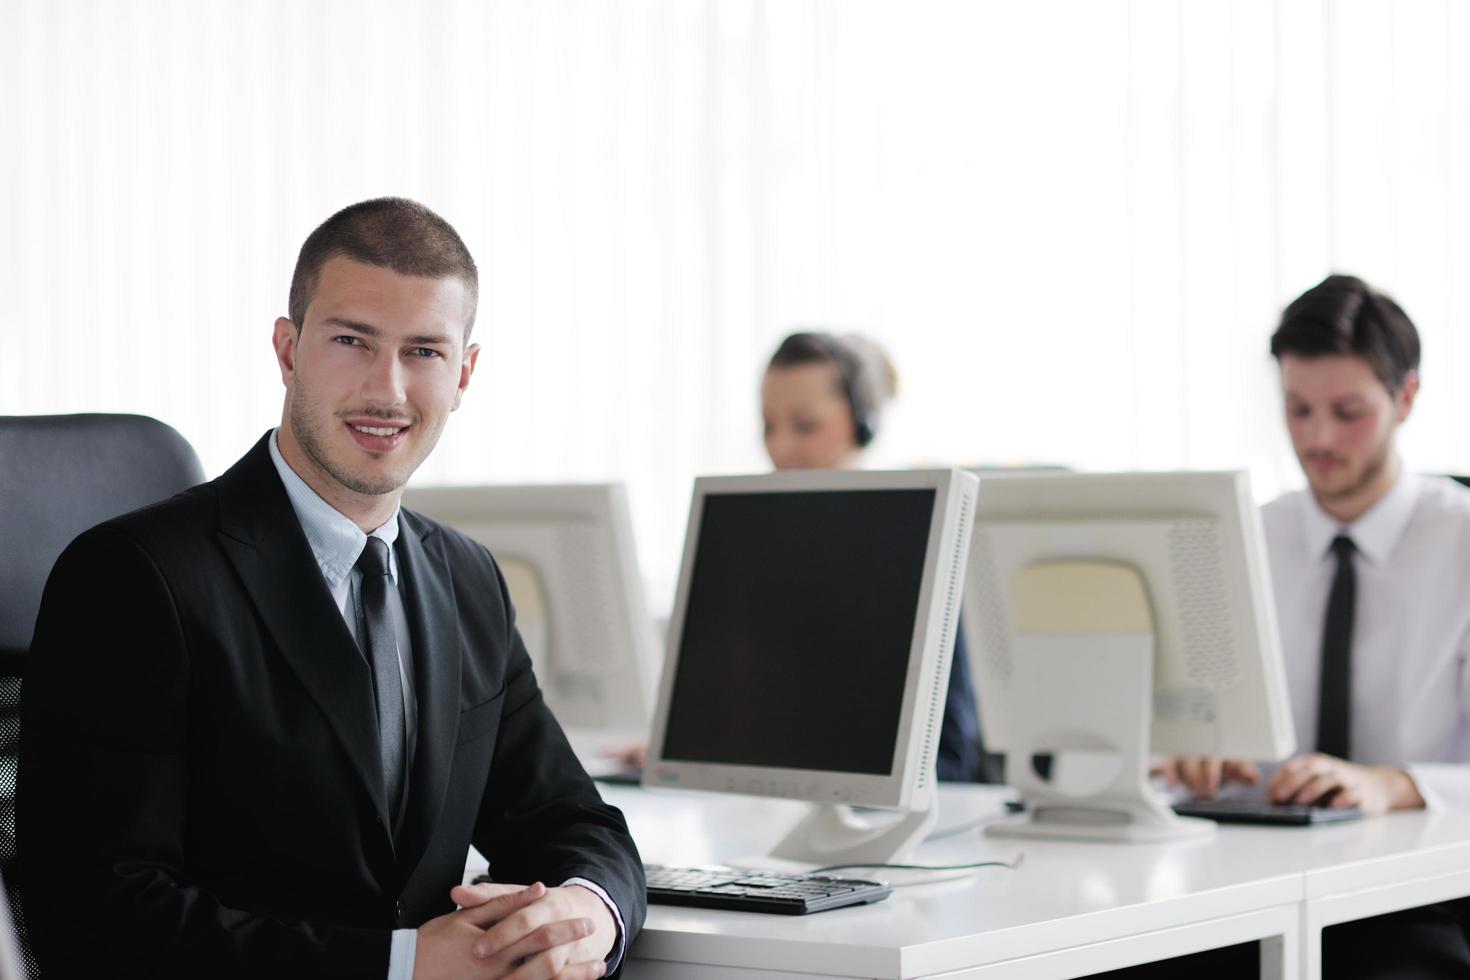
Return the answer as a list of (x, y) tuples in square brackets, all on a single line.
[(1072, 221)]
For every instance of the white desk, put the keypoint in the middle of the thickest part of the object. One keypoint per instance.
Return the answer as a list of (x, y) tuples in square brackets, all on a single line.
[(1071, 909), (1400, 861)]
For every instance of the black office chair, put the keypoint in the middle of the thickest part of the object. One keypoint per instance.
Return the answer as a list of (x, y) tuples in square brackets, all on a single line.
[(59, 475)]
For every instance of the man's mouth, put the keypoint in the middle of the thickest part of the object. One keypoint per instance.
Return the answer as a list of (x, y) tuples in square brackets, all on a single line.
[(375, 435)]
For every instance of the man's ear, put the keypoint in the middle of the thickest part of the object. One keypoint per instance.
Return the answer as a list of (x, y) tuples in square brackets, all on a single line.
[(466, 368), (284, 340), (1404, 400)]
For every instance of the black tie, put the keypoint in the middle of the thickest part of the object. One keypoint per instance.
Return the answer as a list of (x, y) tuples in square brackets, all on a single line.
[(380, 644), (1334, 718)]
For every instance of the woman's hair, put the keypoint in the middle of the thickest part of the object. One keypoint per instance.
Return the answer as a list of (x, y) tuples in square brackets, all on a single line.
[(866, 377)]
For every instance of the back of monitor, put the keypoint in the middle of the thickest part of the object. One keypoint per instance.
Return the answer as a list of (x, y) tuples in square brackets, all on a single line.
[(569, 560)]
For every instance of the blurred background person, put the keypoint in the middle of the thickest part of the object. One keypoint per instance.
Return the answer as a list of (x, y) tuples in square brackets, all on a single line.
[(1370, 567), (822, 399)]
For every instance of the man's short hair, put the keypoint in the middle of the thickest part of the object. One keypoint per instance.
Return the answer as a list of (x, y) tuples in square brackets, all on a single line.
[(391, 233), (1344, 315)]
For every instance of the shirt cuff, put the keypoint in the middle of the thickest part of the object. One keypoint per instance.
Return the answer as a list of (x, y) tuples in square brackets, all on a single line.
[(401, 955), (1444, 785), (616, 956)]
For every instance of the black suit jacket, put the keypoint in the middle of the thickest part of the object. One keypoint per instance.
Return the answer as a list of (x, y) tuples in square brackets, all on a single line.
[(200, 792)]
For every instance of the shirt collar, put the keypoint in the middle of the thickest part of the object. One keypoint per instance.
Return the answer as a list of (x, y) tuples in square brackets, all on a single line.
[(335, 540), (1375, 533)]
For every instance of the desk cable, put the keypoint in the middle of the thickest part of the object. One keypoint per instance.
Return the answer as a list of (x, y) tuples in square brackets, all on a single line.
[(966, 826), (1010, 865)]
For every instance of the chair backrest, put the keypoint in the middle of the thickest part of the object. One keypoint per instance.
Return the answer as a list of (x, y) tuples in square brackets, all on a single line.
[(14, 964), (59, 475)]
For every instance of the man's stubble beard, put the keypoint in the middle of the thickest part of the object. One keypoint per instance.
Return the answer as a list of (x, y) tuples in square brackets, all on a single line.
[(313, 442), (1372, 470)]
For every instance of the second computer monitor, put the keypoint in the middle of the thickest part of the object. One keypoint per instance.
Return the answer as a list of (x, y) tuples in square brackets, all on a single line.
[(1122, 614), (569, 560)]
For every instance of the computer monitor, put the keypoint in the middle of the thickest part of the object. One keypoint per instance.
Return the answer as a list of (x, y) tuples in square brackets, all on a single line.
[(1110, 615), (568, 557), (809, 649)]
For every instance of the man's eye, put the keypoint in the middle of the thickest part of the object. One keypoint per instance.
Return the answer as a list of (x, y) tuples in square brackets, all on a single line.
[(423, 352), (347, 340)]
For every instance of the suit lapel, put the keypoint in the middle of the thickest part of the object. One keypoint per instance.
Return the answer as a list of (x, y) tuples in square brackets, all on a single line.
[(263, 539), (433, 624)]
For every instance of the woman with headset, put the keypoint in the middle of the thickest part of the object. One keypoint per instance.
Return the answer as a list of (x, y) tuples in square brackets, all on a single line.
[(821, 400)]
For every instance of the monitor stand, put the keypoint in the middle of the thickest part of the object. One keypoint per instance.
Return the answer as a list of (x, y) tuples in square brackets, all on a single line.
[(833, 834), (1087, 693)]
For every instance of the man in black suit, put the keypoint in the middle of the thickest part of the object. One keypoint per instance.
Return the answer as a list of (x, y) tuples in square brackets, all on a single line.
[(265, 719)]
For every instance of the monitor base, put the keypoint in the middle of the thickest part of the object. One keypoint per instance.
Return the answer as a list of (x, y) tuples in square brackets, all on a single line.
[(1086, 689), (833, 834), (1090, 824)]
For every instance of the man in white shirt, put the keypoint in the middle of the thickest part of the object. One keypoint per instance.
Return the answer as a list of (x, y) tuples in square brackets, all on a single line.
[(1371, 569)]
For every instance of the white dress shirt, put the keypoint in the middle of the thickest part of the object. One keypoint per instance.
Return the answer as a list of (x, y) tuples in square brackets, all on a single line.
[(1411, 626), (337, 543)]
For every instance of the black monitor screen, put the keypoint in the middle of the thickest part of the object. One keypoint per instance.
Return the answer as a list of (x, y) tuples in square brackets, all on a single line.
[(797, 629)]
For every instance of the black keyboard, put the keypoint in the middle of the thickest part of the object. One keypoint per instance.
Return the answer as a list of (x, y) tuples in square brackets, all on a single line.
[(748, 890), (1261, 811)]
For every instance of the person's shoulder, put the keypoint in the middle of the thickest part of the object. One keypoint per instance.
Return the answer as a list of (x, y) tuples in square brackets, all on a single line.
[(174, 523), (1442, 512), (1283, 512), (1439, 526), (462, 551), (1283, 525), (168, 539), (1444, 497)]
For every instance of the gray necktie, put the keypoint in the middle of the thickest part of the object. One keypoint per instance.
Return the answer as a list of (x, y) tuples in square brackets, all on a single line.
[(380, 645)]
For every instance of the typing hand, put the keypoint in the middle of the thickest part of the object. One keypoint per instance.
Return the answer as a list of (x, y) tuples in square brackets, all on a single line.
[(1325, 780), (1203, 776), (563, 933), (633, 756)]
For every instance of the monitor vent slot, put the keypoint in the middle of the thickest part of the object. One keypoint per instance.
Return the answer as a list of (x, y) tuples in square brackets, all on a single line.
[(1198, 564), (938, 695), (994, 628)]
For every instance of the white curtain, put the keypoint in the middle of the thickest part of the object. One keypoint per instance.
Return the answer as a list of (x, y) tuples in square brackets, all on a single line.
[(1072, 222)]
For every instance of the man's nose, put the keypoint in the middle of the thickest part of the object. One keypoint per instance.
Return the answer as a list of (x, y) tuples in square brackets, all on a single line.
[(1321, 433), (384, 383)]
